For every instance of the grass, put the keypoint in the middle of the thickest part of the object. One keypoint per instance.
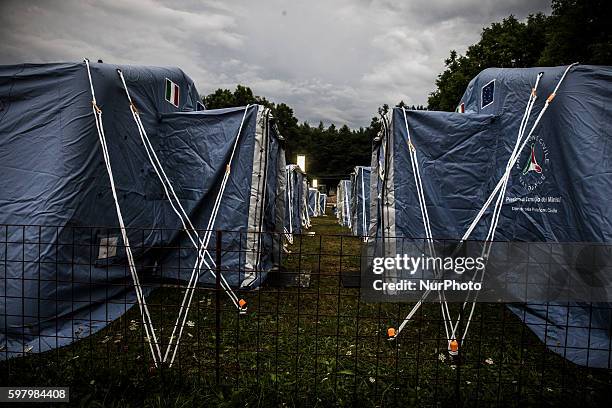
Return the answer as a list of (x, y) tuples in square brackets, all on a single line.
[(313, 346)]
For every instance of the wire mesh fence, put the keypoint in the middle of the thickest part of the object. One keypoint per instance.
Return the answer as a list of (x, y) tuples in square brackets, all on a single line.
[(306, 338)]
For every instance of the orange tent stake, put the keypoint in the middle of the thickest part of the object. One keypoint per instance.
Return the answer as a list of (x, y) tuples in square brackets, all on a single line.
[(453, 347), (243, 306)]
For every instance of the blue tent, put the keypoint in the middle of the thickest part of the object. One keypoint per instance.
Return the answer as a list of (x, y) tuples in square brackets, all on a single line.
[(360, 201), (322, 203), (343, 203), (313, 202), (306, 223), (295, 201), (564, 173), (56, 192)]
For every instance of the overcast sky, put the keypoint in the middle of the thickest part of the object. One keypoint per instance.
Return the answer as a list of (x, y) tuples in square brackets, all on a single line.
[(334, 61)]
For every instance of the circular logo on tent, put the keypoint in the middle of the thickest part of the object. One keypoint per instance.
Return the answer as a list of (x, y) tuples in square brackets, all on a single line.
[(533, 163)]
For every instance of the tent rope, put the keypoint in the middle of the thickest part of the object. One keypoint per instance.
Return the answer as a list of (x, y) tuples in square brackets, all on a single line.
[(505, 178), (202, 247), (466, 235), (191, 289), (172, 198), (499, 188), (289, 177), (142, 304), (428, 234), (364, 226)]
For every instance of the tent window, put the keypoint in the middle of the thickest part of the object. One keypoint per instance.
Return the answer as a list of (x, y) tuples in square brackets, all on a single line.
[(108, 247), (486, 96)]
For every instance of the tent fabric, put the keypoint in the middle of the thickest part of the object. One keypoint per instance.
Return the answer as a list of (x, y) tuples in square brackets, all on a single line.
[(313, 202), (294, 200), (305, 208), (322, 203), (343, 203), (463, 155), (360, 201), (55, 191)]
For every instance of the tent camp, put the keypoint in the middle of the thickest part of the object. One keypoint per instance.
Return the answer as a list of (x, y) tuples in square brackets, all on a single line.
[(296, 211), (534, 141), (322, 203), (343, 203), (119, 195), (360, 201)]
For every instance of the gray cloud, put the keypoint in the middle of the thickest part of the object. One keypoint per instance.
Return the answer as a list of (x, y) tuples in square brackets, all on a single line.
[(332, 61)]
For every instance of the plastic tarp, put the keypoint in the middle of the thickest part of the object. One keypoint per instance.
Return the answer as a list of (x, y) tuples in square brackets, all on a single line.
[(564, 174), (360, 201), (55, 187)]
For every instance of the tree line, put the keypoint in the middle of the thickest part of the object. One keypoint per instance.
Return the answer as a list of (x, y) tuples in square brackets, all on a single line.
[(576, 30)]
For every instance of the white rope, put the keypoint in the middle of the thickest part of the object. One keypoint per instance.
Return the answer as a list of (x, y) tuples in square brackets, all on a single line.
[(346, 206), (304, 205), (363, 206), (324, 203), (339, 204), (498, 205), (426, 225), (167, 185), (288, 235), (289, 175), (500, 200), (190, 290), (142, 304), (513, 159), (188, 225), (501, 185), (466, 235)]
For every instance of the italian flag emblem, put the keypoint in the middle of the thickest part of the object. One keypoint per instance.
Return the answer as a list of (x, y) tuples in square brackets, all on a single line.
[(172, 92)]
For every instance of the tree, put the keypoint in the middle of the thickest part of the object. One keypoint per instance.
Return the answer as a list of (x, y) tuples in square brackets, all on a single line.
[(580, 31), (243, 95), (329, 150), (221, 98), (509, 43), (577, 30), (288, 127)]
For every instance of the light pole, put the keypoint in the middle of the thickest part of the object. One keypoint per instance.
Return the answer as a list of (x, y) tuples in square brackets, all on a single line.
[(301, 162)]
